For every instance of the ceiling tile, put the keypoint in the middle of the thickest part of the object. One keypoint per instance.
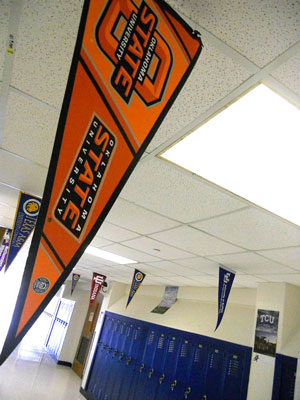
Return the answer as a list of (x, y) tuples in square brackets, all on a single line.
[(252, 229), (22, 174), (137, 219), (130, 253), (7, 211), (288, 73), (206, 280), (6, 222), (100, 242), (163, 281), (8, 195), (197, 242), (248, 281), (201, 265), (154, 248), (29, 129), (289, 256), (171, 268), (115, 233), (159, 186), (152, 270), (251, 263), (214, 76), (47, 35), (294, 279), (4, 21), (260, 30)]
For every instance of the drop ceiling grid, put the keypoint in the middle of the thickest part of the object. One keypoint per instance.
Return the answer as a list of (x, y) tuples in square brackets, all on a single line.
[(259, 30), (288, 73), (4, 21)]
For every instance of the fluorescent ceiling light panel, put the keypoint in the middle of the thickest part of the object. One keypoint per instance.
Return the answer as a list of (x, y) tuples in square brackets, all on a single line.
[(94, 251), (252, 148)]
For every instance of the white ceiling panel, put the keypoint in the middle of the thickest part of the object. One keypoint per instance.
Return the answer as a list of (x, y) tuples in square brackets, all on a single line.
[(100, 242), (294, 279), (22, 174), (162, 281), (137, 219), (29, 129), (8, 196), (4, 21), (47, 35), (6, 222), (251, 263), (151, 270), (128, 252), (288, 256), (7, 211), (160, 187), (170, 267), (260, 30), (206, 280), (252, 229), (201, 265), (156, 248), (288, 73), (196, 242), (214, 76), (248, 281), (115, 233)]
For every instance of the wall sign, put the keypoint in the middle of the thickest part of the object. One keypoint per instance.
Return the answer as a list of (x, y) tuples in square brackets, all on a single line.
[(266, 332)]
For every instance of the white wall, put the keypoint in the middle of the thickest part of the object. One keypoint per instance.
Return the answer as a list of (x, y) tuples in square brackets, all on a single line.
[(81, 297)]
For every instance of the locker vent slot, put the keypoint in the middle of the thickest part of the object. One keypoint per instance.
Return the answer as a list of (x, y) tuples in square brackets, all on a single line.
[(161, 342), (122, 329), (184, 350), (234, 367), (171, 346), (151, 338), (129, 331), (197, 355), (136, 334), (213, 360)]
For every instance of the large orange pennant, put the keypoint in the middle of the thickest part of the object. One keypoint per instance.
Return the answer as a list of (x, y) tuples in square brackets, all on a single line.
[(131, 59)]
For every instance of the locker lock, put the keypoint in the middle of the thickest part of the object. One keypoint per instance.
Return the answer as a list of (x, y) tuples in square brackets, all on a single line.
[(115, 353), (109, 349), (150, 373), (121, 356), (162, 377), (128, 361), (204, 397), (142, 367), (173, 385), (187, 392)]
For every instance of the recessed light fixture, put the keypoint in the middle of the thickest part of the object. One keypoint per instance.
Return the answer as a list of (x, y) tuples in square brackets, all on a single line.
[(106, 255), (250, 148)]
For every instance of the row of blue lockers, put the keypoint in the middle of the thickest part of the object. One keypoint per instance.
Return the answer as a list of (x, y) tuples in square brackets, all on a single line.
[(137, 360)]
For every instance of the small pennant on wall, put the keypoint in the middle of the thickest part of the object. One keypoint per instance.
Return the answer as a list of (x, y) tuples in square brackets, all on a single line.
[(75, 279), (137, 280), (97, 283), (226, 278)]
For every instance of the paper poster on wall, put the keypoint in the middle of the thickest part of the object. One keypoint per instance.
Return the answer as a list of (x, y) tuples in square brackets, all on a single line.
[(75, 279), (130, 62), (226, 278), (25, 219), (169, 298), (138, 277), (4, 248), (97, 283), (266, 332)]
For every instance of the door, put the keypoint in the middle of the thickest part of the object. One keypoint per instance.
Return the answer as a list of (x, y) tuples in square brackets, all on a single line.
[(284, 378), (233, 380), (198, 372), (214, 374)]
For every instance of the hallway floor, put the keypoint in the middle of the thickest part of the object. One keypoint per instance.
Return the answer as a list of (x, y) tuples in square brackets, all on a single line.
[(32, 374)]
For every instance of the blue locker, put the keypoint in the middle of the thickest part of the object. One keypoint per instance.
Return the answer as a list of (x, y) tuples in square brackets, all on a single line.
[(198, 372), (234, 367), (99, 356), (156, 376), (182, 375), (132, 363), (112, 365), (102, 377), (284, 378), (145, 369), (169, 382), (214, 374)]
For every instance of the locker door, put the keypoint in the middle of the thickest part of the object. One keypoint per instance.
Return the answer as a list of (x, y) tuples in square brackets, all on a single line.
[(214, 374), (99, 357), (122, 359), (182, 375), (234, 367), (198, 371), (133, 362), (155, 376), (113, 363), (146, 365), (284, 378), (102, 377), (169, 382)]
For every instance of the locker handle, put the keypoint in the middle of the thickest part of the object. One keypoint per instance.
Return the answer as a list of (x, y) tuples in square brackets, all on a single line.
[(128, 361), (121, 356), (187, 392), (150, 373), (142, 367), (115, 353), (109, 349), (173, 385), (204, 397), (162, 377)]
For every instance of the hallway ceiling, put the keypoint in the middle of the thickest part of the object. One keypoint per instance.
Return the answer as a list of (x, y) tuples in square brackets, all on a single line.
[(176, 225)]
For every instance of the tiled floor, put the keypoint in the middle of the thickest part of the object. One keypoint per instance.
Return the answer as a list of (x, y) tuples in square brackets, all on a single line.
[(31, 374)]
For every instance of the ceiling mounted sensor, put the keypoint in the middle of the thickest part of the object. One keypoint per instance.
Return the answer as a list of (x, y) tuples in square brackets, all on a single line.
[(251, 149)]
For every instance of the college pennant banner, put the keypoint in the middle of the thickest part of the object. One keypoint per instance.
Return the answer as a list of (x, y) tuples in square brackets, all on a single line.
[(137, 280), (97, 283), (226, 278), (75, 279), (130, 61), (25, 219)]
